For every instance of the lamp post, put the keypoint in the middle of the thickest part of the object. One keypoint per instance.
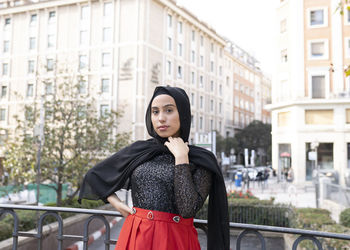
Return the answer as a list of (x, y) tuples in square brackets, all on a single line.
[(314, 146), (39, 131)]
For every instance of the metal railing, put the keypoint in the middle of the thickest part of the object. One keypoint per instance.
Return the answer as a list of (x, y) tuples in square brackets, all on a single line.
[(100, 214)]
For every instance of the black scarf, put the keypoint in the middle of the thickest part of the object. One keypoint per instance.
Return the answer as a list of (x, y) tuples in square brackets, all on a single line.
[(113, 173)]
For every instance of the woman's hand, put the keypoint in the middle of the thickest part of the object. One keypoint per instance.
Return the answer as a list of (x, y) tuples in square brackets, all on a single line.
[(179, 149), (119, 205)]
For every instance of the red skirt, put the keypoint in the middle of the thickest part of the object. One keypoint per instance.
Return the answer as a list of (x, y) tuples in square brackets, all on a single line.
[(154, 230)]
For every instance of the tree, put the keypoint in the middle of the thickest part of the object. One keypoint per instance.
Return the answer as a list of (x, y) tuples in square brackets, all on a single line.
[(256, 136), (76, 136)]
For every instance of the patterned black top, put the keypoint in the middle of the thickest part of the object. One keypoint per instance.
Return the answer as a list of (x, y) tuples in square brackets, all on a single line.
[(161, 185)]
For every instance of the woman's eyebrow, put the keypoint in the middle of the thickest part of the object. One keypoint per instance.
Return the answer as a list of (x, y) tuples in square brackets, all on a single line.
[(165, 106)]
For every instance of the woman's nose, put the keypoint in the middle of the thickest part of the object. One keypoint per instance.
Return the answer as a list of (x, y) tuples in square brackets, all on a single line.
[(161, 116)]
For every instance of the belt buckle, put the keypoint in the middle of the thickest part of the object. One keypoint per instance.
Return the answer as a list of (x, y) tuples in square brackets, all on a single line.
[(176, 219), (150, 215), (133, 211)]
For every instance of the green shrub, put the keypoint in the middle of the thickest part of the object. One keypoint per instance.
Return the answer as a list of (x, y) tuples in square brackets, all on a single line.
[(254, 211), (313, 218), (344, 217)]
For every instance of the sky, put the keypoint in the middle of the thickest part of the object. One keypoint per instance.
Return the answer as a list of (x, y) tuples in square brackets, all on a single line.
[(248, 23)]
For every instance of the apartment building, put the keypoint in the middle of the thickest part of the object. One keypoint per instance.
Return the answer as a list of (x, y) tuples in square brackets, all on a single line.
[(122, 50), (251, 88), (310, 93)]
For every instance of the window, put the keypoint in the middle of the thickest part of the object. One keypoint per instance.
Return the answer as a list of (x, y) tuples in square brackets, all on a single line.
[(212, 47), (3, 91), (220, 70), (105, 85), (106, 59), (192, 99), (107, 34), (30, 90), (169, 68), (170, 21), (318, 83), (318, 49), (201, 61), (193, 35), (200, 122), (211, 85), (202, 41), (28, 114), (318, 17), (220, 89), (179, 48), (179, 25), (6, 46), (192, 121), (319, 117), (169, 43), (52, 16), (5, 69), (50, 41), (220, 107), (284, 56), (211, 124), (32, 43), (2, 114), (82, 88), (7, 23), (283, 26), (49, 64), (104, 110), (211, 105), (193, 78), (193, 56), (201, 102), (83, 37), (211, 66), (33, 19), (201, 82), (84, 12), (48, 88), (107, 9), (83, 61), (179, 72), (219, 126), (30, 66)]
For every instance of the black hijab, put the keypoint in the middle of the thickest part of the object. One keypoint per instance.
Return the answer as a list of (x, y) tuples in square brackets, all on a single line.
[(113, 173)]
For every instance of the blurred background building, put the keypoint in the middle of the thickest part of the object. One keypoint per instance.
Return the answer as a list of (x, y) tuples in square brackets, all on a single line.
[(122, 50), (311, 90)]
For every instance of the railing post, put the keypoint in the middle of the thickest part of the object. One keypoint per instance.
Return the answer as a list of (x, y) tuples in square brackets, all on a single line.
[(86, 231), (15, 226), (60, 229)]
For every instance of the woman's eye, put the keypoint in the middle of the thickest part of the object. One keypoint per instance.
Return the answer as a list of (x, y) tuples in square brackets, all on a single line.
[(155, 112), (169, 110)]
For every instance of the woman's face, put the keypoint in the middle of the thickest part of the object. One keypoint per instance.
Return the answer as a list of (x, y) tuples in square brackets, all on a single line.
[(165, 117)]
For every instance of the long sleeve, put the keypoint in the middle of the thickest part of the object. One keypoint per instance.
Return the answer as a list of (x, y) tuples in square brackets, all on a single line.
[(191, 187)]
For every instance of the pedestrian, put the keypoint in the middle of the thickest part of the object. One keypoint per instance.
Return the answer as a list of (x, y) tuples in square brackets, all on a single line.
[(169, 181)]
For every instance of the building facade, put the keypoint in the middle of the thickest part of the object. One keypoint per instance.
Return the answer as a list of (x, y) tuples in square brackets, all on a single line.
[(122, 50), (251, 88), (310, 91)]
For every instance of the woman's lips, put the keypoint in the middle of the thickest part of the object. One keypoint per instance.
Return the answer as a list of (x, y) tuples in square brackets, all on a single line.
[(163, 128)]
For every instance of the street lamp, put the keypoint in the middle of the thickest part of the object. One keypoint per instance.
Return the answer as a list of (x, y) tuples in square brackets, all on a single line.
[(314, 146)]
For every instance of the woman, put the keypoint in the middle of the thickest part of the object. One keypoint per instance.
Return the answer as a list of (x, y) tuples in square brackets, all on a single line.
[(169, 181)]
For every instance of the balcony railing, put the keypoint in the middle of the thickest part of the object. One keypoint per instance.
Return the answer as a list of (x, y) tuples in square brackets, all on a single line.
[(100, 214)]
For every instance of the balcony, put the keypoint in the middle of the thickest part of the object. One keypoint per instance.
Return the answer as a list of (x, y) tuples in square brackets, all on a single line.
[(244, 229)]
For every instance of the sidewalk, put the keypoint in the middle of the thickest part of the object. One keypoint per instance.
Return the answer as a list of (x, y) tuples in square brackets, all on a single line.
[(283, 192)]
